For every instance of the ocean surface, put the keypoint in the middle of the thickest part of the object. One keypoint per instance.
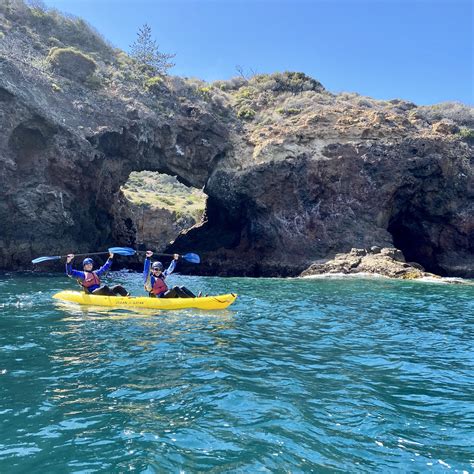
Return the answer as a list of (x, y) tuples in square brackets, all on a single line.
[(315, 375)]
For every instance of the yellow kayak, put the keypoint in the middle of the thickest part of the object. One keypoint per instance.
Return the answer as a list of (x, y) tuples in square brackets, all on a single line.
[(207, 302)]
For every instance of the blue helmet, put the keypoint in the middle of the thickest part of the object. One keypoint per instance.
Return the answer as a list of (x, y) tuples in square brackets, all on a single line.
[(86, 261), (157, 266)]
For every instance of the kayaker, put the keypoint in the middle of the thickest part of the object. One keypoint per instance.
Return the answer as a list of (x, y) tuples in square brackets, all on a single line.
[(155, 279), (89, 278)]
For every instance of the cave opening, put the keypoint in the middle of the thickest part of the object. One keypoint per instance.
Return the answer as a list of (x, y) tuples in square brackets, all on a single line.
[(154, 208), (411, 234)]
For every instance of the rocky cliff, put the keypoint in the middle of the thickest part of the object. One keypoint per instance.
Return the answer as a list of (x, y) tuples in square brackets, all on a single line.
[(294, 174)]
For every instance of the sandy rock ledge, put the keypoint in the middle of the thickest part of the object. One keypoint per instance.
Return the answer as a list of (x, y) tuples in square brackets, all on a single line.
[(388, 262)]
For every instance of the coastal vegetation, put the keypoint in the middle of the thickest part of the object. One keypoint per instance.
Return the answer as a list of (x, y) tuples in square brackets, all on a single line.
[(147, 53), (72, 63), (159, 191), (51, 41), (467, 133)]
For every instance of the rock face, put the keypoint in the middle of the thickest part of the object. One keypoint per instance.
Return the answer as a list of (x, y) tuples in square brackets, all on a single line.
[(388, 262), (64, 156), (301, 176), (280, 216), (147, 226)]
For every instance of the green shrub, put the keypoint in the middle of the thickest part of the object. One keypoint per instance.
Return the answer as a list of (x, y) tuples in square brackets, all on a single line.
[(55, 87), (290, 111), (246, 113), (246, 93), (467, 133), (72, 63), (205, 92), (155, 85), (124, 60), (286, 82)]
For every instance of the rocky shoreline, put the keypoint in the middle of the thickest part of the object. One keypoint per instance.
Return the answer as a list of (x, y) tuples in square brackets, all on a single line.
[(388, 262), (376, 261), (293, 173)]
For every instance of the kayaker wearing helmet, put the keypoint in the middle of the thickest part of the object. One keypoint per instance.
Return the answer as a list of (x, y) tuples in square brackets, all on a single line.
[(89, 279), (156, 276)]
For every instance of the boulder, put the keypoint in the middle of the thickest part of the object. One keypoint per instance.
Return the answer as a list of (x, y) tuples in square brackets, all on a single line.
[(393, 253), (388, 262)]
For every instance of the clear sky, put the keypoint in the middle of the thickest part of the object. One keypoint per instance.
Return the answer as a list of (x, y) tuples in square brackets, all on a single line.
[(419, 50)]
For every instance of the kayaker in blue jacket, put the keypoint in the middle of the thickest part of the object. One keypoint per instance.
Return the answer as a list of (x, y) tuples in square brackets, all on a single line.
[(156, 275), (89, 279)]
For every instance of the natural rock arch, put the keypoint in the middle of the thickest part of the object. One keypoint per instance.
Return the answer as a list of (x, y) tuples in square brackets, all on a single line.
[(271, 214), (61, 168)]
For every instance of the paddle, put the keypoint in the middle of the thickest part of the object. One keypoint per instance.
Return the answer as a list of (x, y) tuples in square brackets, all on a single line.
[(126, 251), (189, 257)]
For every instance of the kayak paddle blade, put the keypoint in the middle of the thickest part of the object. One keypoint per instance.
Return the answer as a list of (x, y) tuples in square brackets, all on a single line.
[(126, 251), (45, 259), (191, 257)]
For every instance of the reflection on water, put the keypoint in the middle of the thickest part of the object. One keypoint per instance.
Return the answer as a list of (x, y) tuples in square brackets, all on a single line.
[(73, 310)]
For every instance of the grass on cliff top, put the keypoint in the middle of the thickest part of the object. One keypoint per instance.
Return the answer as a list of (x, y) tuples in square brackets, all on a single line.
[(29, 31), (161, 191), (54, 27)]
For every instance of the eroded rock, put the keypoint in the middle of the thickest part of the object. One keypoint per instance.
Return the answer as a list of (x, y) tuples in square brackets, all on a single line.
[(388, 262)]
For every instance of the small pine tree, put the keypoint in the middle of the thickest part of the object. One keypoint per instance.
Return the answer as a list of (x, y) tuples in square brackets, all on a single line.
[(146, 52)]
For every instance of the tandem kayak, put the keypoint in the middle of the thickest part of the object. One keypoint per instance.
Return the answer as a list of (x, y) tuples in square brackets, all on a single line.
[(207, 302)]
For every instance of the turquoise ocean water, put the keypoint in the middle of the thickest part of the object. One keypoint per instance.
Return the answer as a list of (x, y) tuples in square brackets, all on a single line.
[(324, 375)]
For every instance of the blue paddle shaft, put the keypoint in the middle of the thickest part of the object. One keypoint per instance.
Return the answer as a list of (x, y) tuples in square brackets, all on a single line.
[(126, 251)]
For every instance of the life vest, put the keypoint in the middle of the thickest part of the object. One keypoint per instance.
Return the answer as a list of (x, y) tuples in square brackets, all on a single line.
[(91, 279), (159, 286)]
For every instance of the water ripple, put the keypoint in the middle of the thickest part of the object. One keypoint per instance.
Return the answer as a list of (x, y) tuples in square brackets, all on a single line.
[(298, 376)]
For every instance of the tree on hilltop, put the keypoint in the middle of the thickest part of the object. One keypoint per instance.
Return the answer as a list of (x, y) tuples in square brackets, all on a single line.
[(146, 52)]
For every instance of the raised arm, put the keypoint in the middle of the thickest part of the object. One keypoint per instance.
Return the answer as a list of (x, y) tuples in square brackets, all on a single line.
[(70, 272), (106, 266), (146, 270), (172, 266)]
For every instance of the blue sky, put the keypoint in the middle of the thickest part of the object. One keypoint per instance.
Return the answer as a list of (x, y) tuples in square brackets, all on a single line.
[(419, 50)]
